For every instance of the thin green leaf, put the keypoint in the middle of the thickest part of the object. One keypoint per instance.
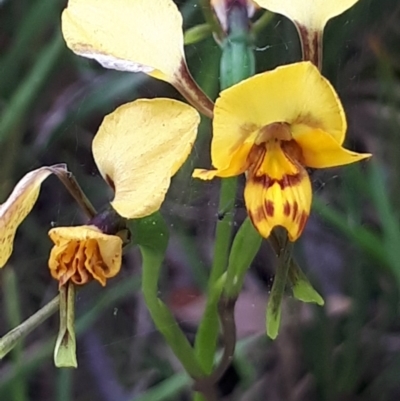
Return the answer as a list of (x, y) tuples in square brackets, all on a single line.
[(245, 246)]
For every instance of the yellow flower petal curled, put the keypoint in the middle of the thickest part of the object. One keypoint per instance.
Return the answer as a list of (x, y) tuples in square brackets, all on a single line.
[(84, 253), (127, 35), (295, 93), (139, 147), (320, 150), (313, 14), (18, 206)]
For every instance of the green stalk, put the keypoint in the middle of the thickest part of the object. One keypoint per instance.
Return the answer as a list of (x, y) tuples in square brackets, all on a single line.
[(151, 235), (237, 63)]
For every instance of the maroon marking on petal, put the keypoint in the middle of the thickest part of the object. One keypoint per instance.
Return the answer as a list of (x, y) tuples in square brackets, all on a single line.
[(286, 209), (288, 180), (295, 210), (110, 182), (269, 208), (257, 216), (302, 222)]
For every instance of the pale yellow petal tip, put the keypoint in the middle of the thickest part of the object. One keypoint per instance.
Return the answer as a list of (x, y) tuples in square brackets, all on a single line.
[(19, 204), (204, 174), (121, 34), (313, 14)]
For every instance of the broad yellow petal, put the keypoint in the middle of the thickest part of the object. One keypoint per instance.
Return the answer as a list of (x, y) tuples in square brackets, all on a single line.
[(294, 94), (139, 147), (18, 206), (313, 14), (284, 202), (127, 35), (320, 150), (277, 192), (82, 253)]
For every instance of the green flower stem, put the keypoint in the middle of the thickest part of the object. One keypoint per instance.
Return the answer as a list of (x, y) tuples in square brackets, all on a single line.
[(9, 340), (206, 338), (151, 235), (237, 63)]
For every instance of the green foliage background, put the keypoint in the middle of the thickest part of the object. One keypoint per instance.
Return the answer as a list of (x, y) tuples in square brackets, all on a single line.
[(51, 103)]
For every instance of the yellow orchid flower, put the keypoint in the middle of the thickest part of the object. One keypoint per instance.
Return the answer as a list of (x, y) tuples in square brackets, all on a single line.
[(137, 36), (310, 18), (272, 126), (138, 148)]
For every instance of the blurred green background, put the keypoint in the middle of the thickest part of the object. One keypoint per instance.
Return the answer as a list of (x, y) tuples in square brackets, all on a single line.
[(51, 104)]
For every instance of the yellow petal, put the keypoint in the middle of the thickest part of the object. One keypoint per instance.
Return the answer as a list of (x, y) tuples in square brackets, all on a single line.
[(127, 35), (295, 94), (314, 14), (84, 252), (320, 150), (238, 164), (139, 147), (277, 205), (18, 206), (277, 192)]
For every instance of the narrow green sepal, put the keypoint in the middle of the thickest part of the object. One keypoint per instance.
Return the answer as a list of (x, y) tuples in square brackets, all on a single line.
[(274, 308), (301, 287), (65, 349)]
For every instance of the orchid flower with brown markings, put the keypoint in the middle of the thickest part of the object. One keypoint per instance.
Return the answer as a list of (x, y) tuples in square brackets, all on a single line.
[(271, 127)]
